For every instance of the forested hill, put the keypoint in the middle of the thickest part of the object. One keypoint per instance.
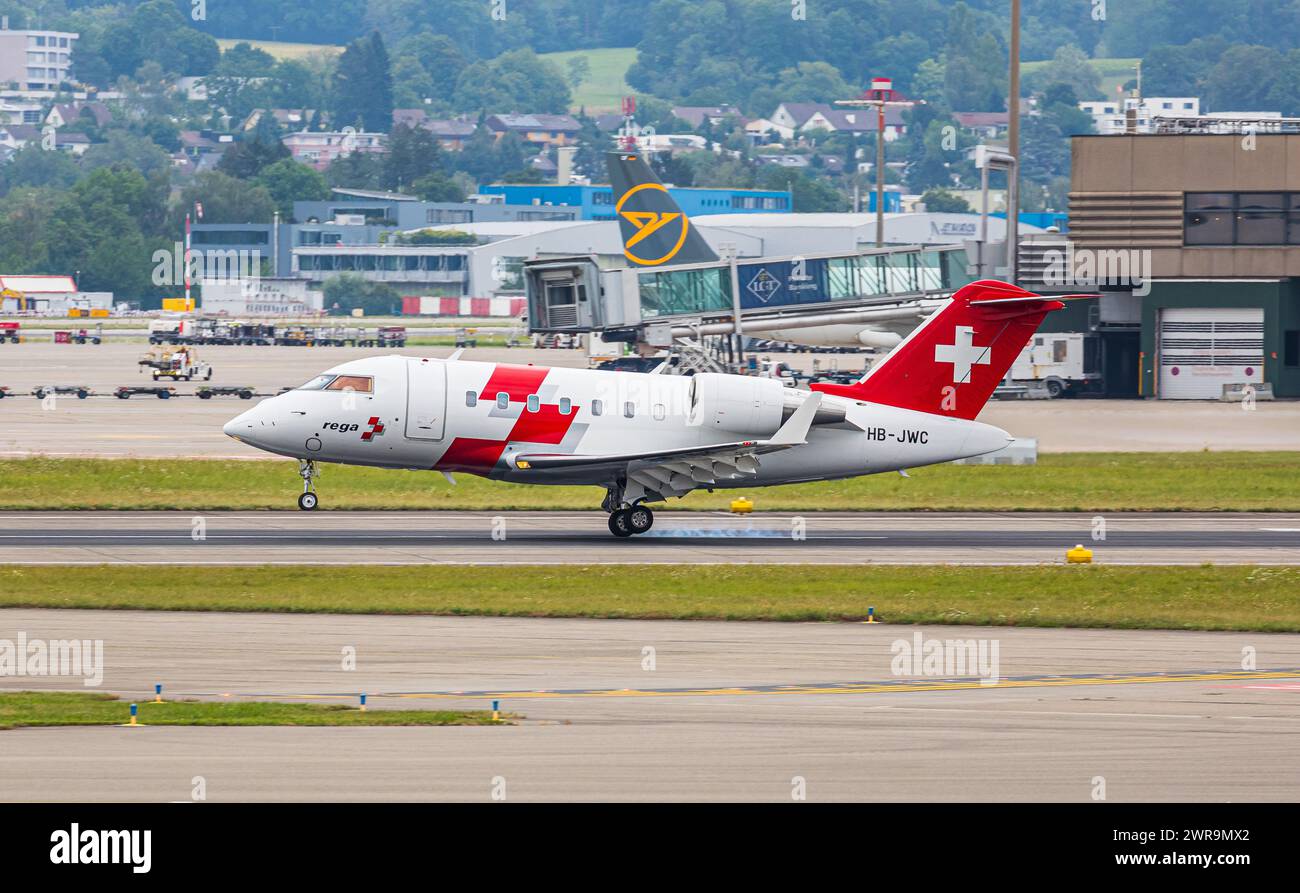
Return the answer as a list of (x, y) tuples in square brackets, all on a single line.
[(1233, 53)]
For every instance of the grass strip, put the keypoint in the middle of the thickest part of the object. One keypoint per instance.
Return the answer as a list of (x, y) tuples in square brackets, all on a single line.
[(1100, 482), (44, 708), (1255, 598)]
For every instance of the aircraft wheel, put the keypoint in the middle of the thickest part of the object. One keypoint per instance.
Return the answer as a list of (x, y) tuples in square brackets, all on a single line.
[(618, 523), (640, 519), (307, 501)]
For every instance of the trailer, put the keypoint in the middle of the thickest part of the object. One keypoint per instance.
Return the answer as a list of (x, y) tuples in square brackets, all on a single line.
[(339, 336), (296, 336), (81, 391), (207, 392), (390, 336), (161, 392), (83, 336), (250, 334)]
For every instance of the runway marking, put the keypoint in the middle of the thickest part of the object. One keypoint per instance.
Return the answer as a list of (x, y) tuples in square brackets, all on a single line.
[(825, 688), (1281, 686)]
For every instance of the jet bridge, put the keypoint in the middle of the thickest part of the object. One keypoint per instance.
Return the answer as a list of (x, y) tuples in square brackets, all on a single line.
[(654, 305)]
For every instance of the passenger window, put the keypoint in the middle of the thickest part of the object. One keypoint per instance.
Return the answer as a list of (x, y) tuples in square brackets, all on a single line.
[(362, 384), (471, 398), (566, 406), (597, 407), (503, 400), (659, 412), (533, 402), (629, 409)]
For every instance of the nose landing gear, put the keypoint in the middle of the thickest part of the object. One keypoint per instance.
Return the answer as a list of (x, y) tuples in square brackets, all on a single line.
[(307, 471)]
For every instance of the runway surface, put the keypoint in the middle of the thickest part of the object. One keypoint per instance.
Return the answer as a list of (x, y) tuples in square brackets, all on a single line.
[(659, 710), (677, 538)]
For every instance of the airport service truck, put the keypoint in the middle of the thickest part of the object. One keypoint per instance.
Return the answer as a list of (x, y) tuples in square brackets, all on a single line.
[(1056, 364), (178, 364)]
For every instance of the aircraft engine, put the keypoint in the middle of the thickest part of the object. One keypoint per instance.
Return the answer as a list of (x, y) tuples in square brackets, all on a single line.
[(739, 405)]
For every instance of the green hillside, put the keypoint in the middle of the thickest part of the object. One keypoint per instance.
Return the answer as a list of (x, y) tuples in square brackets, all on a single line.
[(605, 87)]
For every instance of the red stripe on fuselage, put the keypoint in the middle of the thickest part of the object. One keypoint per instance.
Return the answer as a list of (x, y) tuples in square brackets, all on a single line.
[(517, 381), (471, 454), (544, 426), (547, 425)]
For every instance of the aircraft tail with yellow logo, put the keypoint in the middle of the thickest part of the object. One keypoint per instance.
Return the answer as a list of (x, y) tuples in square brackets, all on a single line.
[(656, 232)]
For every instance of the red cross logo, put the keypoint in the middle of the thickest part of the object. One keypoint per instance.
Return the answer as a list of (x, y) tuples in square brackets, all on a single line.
[(376, 428)]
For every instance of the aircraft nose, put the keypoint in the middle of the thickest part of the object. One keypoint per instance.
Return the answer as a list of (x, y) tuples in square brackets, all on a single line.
[(240, 426)]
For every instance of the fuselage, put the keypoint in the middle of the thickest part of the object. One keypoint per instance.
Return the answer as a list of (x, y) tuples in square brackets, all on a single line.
[(467, 416)]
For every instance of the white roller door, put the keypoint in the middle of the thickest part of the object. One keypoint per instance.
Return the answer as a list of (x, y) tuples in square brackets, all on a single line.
[(1204, 348)]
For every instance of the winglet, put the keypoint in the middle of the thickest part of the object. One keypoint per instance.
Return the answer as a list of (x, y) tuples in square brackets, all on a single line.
[(795, 430)]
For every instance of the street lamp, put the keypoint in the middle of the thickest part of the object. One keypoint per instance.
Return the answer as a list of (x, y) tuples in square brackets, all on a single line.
[(879, 96)]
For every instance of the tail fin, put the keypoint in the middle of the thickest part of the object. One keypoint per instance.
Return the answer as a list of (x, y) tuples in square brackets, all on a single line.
[(951, 363), (655, 229)]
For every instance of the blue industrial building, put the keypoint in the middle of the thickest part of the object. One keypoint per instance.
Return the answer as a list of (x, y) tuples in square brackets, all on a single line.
[(597, 202)]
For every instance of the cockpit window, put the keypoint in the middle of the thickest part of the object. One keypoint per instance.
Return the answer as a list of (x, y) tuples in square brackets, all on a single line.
[(317, 384), (362, 384)]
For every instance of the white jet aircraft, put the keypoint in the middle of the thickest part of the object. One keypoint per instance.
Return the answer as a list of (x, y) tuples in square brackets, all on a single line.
[(645, 438)]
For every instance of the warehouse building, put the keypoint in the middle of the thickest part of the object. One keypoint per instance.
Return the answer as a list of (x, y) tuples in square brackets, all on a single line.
[(49, 296), (1199, 234)]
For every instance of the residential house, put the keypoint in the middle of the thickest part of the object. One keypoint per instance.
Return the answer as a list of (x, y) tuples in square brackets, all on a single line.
[(200, 150), (94, 113), (986, 125), (74, 143), (319, 149), (696, 115), (540, 130), (762, 131), (16, 136), (414, 117), (791, 118), (452, 133)]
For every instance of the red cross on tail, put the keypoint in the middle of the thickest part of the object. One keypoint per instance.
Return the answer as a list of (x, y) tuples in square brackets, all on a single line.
[(951, 363)]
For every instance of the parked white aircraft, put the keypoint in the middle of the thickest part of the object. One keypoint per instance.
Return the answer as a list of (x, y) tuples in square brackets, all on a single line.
[(645, 438)]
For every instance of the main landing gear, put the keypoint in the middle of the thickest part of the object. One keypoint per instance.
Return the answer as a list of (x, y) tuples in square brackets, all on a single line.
[(307, 471), (626, 518), (631, 521)]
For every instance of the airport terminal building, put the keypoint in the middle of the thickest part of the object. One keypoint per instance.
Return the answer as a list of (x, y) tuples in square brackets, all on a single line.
[(1212, 224)]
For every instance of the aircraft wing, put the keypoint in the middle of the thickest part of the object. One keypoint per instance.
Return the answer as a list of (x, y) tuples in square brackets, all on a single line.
[(679, 470)]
